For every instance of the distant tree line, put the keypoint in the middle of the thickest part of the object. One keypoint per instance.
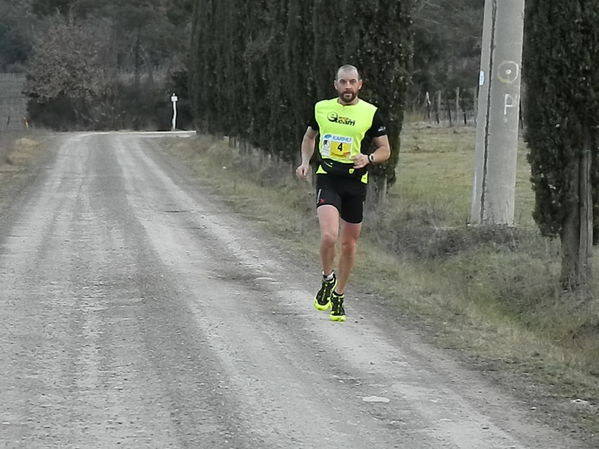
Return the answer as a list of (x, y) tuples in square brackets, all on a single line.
[(98, 64), (258, 67), (147, 38), (447, 46)]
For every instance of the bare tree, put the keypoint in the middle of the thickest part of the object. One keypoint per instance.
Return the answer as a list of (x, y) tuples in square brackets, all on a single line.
[(66, 63)]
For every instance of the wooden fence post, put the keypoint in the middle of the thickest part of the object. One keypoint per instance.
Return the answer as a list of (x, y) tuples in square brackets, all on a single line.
[(457, 103), (449, 112), (427, 102), (438, 108)]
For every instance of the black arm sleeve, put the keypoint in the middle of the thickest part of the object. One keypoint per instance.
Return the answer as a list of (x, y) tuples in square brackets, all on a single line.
[(378, 127), (312, 123)]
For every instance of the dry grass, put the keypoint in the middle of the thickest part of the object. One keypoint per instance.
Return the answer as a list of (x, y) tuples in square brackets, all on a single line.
[(490, 293), (20, 158), (23, 151)]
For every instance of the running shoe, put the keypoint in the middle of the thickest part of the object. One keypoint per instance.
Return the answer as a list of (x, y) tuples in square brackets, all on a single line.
[(337, 310), (322, 300)]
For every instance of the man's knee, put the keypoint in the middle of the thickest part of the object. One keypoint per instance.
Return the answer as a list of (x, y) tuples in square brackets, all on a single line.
[(349, 245), (328, 238)]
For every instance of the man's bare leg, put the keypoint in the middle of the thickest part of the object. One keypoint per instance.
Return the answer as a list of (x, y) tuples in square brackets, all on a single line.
[(328, 217), (350, 232)]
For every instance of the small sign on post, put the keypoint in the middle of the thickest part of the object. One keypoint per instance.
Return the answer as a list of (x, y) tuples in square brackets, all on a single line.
[(174, 100)]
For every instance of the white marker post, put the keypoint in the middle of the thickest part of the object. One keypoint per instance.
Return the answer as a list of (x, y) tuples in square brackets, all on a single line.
[(174, 100)]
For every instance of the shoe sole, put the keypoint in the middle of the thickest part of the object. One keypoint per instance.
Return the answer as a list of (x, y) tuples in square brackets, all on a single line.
[(321, 307), (338, 318)]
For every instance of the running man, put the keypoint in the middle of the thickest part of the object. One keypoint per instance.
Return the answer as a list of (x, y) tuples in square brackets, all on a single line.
[(342, 124)]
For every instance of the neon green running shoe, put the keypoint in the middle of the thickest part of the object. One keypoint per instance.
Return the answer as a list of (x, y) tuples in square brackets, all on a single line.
[(322, 300), (337, 310)]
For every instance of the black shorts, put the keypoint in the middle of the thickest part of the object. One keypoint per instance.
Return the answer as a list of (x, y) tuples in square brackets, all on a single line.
[(345, 193)]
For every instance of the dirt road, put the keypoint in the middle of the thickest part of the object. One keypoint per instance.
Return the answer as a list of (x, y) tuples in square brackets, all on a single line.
[(137, 312)]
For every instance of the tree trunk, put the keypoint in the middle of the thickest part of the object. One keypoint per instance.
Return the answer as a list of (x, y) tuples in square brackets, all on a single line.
[(577, 230), (376, 192)]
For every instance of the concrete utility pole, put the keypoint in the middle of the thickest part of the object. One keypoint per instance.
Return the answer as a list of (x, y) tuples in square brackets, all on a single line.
[(498, 113)]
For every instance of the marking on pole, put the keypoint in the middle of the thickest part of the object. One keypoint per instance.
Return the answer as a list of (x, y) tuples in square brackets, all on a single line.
[(508, 72), (510, 102)]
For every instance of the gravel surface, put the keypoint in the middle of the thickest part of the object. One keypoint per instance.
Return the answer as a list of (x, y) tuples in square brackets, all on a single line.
[(138, 312)]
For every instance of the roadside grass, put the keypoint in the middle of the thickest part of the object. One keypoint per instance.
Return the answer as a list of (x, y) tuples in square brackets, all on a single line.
[(19, 156), (21, 148), (24, 150), (489, 292)]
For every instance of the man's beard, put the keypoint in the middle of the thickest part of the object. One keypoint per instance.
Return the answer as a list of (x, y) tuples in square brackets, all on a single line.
[(347, 97)]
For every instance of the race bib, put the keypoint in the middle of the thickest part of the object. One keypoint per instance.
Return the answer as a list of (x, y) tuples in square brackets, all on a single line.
[(338, 146)]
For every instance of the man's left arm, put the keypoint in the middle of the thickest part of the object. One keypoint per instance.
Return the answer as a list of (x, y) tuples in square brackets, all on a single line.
[(382, 150)]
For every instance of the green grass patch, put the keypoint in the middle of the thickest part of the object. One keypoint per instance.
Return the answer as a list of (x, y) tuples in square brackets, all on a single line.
[(436, 170), (489, 292)]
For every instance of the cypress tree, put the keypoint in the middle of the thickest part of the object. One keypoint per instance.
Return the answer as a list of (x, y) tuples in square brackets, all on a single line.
[(201, 79), (277, 98), (327, 54), (561, 51), (300, 86), (256, 56), (236, 89), (382, 48), (260, 66), (221, 67), (194, 64)]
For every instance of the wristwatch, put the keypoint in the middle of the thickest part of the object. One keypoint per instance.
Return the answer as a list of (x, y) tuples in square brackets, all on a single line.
[(371, 158)]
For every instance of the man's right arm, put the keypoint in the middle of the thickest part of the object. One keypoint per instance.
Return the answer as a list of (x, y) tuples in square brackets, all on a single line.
[(308, 143)]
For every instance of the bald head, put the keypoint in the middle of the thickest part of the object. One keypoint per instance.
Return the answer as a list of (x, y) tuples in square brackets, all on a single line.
[(347, 69), (348, 84)]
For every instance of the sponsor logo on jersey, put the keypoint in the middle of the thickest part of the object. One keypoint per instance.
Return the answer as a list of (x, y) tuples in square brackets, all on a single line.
[(334, 138), (336, 118)]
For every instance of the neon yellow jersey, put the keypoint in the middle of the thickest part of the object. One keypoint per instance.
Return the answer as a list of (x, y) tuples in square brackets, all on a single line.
[(342, 129)]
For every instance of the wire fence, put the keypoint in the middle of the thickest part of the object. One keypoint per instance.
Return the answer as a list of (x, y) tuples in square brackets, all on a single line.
[(451, 107)]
